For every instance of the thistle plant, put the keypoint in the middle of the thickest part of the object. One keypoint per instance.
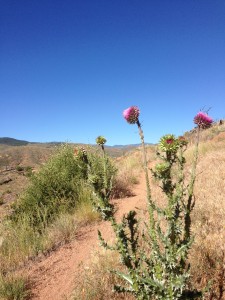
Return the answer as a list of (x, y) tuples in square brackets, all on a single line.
[(156, 259), (101, 181)]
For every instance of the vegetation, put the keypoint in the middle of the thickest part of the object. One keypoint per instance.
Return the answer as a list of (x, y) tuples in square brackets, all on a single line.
[(13, 288), (208, 222), (156, 254), (54, 189), (58, 198), (96, 280), (156, 260)]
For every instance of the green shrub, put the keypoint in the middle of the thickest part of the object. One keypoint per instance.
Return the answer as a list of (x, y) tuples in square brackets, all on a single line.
[(19, 168), (58, 186), (13, 288), (28, 171), (58, 199), (53, 189)]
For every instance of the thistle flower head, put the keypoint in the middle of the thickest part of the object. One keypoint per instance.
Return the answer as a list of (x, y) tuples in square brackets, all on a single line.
[(131, 114), (100, 140), (203, 120), (168, 143)]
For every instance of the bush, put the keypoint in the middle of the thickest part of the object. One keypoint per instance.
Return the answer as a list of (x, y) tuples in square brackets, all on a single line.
[(53, 189), (58, 186), (13, 288), (19, 168), (58, 199)]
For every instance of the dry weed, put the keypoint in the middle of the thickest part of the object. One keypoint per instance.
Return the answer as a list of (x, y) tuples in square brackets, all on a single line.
[(129, 169), (97, 279)]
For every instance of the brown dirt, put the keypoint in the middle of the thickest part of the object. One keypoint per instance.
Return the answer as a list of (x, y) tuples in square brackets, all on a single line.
[(54, 277)]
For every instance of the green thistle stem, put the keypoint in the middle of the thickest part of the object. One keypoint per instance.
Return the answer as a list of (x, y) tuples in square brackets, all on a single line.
[(189, 207), (104, 166), (149, 197), (141, 134), (194, 165)]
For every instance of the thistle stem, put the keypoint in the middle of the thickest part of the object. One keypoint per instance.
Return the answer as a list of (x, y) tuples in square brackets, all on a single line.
[(194, 165), (191, 188), (104, 166), (149, 198), (141, 134)]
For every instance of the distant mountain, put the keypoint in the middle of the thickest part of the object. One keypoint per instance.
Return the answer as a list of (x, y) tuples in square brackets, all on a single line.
[(129, 145), (12, 142), (15, 142)]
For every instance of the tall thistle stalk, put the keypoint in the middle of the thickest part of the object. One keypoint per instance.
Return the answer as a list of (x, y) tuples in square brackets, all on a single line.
[(141, 134), (156, 260), (145, 165), (202, 121)]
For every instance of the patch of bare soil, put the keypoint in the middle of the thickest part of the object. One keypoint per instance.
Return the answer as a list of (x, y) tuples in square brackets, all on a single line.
[(12, 183), (55, 276)]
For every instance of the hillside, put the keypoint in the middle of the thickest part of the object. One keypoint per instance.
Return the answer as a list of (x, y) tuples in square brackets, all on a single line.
[(82, 267), (18, 160), (79, 257), (12, 142), (11, 145)]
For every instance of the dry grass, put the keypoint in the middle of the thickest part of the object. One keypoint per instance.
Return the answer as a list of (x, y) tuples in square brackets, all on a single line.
[(207, 255), (14, 287), (18, 244), (129, 169), (62, 230), (96, 281), (30, 155), (216, 131)]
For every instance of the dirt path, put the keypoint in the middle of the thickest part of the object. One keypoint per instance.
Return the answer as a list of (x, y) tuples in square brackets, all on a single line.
[(53, 278)]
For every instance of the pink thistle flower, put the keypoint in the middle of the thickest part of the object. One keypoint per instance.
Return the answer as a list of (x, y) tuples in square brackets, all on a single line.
[(169, 141), (203, 120), (131, 114)]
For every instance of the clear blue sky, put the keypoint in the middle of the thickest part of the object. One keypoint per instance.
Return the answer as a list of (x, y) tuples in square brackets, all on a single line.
[(69, 68)]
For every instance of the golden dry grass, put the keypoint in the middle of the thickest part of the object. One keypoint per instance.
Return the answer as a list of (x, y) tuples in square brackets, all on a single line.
[(129, 168), (96, 280), (207, 255)]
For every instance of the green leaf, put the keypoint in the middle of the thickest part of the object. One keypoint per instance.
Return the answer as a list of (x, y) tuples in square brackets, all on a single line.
[(125, 277)]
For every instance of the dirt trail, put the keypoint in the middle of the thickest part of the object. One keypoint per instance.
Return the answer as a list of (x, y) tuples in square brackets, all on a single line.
[(54, 277)]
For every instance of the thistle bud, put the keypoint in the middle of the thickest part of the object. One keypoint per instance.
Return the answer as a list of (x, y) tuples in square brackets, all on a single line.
[(100, 140)]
